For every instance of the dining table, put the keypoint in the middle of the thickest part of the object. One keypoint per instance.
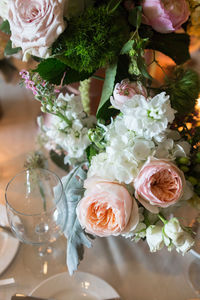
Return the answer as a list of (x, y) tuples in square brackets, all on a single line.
[(129, 267)]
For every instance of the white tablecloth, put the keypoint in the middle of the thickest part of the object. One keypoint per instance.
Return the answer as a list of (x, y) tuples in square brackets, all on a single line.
[(134, 272)]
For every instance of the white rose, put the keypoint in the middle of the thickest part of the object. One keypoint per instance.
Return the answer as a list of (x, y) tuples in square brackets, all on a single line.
[(154, 237), (173, 229), (185, 243), (4, 9), (35, 24)]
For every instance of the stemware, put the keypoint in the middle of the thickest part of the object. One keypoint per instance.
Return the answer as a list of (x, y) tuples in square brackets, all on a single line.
[(37, 214)]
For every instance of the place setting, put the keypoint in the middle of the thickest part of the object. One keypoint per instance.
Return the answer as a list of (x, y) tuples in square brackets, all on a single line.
[(106, 203)]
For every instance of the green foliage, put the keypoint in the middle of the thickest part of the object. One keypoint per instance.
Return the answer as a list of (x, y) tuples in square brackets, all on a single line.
[(76, 237), (9, 50), (58, 159), (183, 89), (135, 16), (91, 151), (92, 40), (5, 27), (174, 45), (108, 86), (53, 70)]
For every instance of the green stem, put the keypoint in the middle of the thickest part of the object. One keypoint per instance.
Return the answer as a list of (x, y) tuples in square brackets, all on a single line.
[(98, 77), (162, 219)]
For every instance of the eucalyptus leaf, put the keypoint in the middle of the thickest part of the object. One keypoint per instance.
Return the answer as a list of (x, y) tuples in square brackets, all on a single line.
[(5, 27), (108, 86), (76, 237)]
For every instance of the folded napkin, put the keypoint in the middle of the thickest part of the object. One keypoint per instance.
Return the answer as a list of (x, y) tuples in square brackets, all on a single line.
[(3, 216)]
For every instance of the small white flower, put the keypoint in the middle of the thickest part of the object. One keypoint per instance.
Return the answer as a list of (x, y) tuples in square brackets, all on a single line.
[(181, 239), (154, 237), (149, 118), (185, 243), (173, 229)]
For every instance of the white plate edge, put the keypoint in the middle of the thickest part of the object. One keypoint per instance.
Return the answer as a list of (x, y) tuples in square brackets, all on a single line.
[(13, 246), (80, 272)]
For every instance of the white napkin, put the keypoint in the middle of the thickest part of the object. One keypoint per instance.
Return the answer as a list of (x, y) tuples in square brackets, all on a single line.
[(3, 216)]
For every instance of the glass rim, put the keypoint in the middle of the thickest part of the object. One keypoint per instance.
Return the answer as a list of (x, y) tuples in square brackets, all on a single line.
[(24, 171)]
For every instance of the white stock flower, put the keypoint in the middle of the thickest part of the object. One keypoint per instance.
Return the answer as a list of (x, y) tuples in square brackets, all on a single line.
[(154, 237), (71, 135), (148, 117), (4, 9)]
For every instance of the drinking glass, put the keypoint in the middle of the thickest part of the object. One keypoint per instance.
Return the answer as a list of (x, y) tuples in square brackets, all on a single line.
[(37, 213)]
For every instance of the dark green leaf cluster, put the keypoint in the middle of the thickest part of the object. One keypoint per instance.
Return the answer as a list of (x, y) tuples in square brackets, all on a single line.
[(92, 40), (183, 88)]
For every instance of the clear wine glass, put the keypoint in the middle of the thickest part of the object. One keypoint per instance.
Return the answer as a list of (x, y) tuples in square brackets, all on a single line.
[(37, 214)]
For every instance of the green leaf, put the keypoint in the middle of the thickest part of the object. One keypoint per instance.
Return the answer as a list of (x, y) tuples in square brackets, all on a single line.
[(108, 86), (127, 47), (75, 76), (112, 5), (135, 16), (177, 45), (5, 27), (91, 151), (58, 159), (52, 70), (76, 237), (142, 67), (9, 50)]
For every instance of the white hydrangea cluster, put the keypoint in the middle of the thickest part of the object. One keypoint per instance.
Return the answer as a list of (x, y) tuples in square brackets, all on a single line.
[(68, 128), (140, 131)]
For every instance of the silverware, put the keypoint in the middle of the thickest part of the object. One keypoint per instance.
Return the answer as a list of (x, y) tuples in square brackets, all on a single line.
[(24, 297), (7, 281)]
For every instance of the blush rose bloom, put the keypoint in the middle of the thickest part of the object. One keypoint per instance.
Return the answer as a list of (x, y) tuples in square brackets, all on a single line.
[(107, 208), (159, 184), (35, 25), (165, 15), (124, 91)]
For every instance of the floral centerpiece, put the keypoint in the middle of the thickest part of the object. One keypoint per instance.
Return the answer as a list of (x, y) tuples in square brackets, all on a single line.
[(138, 160)]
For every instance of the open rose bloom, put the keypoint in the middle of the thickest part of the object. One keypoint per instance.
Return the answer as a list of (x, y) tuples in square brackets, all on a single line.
[(106, 208), (165, 15), (159, 184), (35, 24)]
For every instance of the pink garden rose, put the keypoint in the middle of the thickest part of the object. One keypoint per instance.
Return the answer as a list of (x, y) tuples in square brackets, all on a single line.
[(165, 15), (35, 24), (106, 208), (126, 90), (159, 184)]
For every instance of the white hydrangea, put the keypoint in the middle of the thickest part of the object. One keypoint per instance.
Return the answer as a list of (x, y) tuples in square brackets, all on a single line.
[(171, 149), (124, 154), (113, 167), (148, 118)]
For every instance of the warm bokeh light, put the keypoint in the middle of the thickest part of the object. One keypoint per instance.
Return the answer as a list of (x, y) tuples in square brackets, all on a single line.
[(197, 107)]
